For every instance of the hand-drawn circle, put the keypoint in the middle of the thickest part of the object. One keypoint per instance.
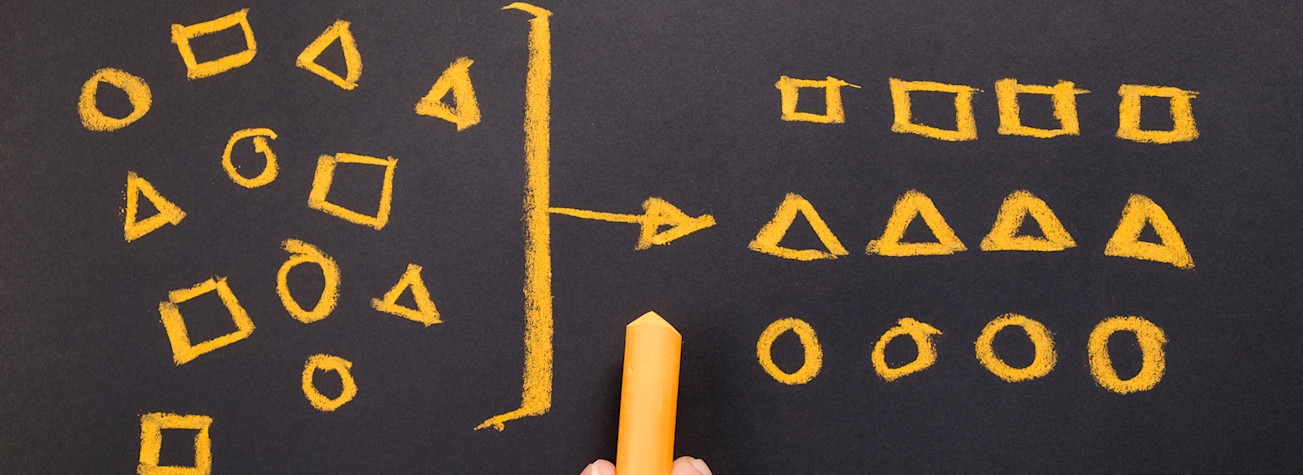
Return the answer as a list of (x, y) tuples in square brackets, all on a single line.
[(307, 253), (137, 93), (260, 144), (328, 363), (1153, 362), (1040, 336), (813, 352)]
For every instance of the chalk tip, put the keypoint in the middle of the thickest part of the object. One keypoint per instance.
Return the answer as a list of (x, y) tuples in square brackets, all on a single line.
[(652, 319)]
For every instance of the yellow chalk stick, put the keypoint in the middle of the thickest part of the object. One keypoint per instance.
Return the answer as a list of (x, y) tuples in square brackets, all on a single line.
[(649, 397)]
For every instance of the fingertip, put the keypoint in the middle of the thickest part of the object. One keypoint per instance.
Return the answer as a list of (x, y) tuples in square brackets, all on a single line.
[(690, 466), (599, 467), (700, 465)]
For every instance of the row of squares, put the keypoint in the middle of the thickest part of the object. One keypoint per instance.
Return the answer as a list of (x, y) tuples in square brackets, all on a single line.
[(1063, 96)]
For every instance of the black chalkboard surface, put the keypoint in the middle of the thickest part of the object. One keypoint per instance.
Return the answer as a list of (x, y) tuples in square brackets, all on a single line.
[(405, 237)]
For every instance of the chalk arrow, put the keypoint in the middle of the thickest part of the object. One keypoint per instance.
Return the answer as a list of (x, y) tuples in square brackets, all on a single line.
[(656, 213)]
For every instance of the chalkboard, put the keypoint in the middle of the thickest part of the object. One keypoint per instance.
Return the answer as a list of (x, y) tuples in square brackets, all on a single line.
[(405, 237)]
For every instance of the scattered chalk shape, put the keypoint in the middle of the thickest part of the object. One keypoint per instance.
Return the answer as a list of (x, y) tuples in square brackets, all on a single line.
[(1017, 207), (340, 366), (138, 94), (425, 312), (325, 175), (168, 213), (151, 444), (911, 205), (183, 350), (181, 35), (772, 233), (464, 111), (352, 58), (304, 253), (1139, 211), (260, 145)]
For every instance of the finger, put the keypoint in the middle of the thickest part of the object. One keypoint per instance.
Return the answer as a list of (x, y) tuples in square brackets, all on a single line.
[(690, 466), (600, 467)]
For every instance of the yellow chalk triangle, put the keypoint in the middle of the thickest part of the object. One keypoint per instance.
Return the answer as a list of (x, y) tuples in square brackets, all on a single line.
[(465, 111), (1139, 211), (424, 311), (352, 58), (168, 213), (772, 233), (913, 204), (1016, 207)]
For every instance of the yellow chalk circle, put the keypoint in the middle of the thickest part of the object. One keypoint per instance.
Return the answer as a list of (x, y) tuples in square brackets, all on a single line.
[(910, 205), (425, 312), (1041, 339), (1126, 242), (269, 170), (151, 444), (771, 234), (181, 35), (921, 333), (1063, 95), (137, 93), (301, 252), (965, 123), (813, 353), (326, 174), (1183, 128), (465, 110), (182, 349), (789, 91), (328, 363), (1151, 339), (1017, 207), (352, 58)]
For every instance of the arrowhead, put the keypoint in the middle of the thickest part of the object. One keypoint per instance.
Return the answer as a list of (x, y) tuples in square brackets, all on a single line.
[(658, 213)]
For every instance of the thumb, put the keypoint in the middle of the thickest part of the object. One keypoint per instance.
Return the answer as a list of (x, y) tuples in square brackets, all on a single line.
[(690, 466)]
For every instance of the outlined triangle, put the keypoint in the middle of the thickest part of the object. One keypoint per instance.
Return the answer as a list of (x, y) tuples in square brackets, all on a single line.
[(424, 311), (910, 205), (352, 58), (772, 233), (1141, 210), (465, 111), (168, 212), (1016, 207)]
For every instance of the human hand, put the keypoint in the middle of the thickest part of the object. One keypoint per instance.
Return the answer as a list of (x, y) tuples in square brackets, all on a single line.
[(682, 466)]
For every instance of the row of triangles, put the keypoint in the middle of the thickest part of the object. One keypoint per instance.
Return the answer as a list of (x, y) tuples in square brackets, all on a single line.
[(1125, 242)]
